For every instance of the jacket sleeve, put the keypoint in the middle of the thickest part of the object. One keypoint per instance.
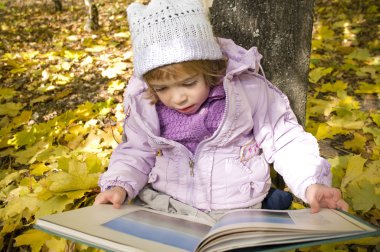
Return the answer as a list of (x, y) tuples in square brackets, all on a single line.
[(131, 161), (293, 152)]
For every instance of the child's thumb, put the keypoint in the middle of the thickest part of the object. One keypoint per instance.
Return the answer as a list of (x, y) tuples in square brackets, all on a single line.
[(314, 205), (117, 200)]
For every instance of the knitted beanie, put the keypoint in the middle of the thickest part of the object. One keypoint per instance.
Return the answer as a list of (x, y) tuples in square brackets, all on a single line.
[(170, 31)]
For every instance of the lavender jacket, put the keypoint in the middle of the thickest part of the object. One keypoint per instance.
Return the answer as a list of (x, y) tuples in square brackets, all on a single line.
[(229, 169)]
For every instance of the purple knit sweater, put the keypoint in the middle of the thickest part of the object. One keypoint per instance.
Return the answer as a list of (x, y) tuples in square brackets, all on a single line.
[(190, 130)]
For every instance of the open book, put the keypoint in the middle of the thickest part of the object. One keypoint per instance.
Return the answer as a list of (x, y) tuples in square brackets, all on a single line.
[(134, 228)]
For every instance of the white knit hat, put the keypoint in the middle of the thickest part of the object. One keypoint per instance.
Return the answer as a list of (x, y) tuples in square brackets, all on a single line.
[(170, 31)]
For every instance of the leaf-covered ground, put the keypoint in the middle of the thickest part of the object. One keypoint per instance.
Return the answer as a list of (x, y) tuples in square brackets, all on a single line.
[(60, 110)]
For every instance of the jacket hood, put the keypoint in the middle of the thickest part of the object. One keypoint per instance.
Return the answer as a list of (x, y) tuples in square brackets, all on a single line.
[(240, 59)]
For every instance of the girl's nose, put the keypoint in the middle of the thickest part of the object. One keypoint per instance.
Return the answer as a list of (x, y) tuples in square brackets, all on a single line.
[(179, 98)]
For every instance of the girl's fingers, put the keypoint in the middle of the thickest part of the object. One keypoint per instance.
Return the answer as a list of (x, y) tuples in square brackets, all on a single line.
[(341, 204), (100, 199), (115, 196)]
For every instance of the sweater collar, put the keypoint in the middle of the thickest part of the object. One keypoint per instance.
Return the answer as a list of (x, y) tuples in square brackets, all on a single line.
[(217, 92)]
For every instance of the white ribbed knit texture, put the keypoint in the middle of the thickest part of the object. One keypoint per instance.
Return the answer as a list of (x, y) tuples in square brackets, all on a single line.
[(170, 31)]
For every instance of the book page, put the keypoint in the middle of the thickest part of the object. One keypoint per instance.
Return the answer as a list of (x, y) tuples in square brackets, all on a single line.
[(151, 226), (327, 220), (130, 227), (294, 223), (260, 227)]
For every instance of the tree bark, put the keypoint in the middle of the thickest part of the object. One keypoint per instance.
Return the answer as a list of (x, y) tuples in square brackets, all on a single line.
[(58, 5), (93, 16), (281, 30)]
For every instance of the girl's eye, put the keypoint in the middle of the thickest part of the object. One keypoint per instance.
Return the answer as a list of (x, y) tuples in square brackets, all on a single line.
[(190, 83), (159, 89)]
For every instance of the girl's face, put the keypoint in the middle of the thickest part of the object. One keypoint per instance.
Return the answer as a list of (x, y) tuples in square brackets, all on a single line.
[(185, 92)]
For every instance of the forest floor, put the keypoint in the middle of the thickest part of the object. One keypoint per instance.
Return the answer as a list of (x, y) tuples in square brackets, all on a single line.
[(60, 105)]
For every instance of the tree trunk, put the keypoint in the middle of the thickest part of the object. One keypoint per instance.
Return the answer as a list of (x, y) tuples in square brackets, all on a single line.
[(93, 16), (58, 5), (281, 30)]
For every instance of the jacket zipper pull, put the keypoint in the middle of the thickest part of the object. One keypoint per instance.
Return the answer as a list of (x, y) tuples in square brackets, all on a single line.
[(191, 164)]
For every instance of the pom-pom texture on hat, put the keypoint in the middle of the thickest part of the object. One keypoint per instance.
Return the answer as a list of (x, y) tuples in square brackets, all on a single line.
[(170, 31)]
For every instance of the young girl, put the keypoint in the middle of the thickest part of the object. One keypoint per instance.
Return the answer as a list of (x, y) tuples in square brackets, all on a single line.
[(202, 125)]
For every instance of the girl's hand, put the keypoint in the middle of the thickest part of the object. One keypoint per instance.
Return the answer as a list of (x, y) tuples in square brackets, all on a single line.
[(116, 195), (320, 196)]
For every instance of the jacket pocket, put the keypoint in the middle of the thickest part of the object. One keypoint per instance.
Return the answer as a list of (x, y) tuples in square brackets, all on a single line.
[(165, 175), (245, 180), (158, 173)]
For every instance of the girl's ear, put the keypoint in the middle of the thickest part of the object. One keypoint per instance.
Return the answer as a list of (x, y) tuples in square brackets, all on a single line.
[(151, 95)]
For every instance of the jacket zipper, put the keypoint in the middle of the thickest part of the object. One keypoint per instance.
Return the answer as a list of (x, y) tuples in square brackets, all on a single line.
[(191, 165), (196, 154)]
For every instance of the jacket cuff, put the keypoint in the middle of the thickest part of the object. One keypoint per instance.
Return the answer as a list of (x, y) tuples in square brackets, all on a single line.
[(322, 177), (108, 184)]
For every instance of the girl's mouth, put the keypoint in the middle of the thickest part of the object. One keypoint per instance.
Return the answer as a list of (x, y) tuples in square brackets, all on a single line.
[(187, 110)]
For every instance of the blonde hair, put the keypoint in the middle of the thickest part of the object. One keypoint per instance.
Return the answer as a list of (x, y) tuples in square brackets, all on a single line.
[(212, 71)]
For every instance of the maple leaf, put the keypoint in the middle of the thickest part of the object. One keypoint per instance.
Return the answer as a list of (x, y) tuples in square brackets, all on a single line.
[(338, 169), (62, 94), (10, 108), (363, 196), (296, 206), (96, 48), (355, 165), (372, 172), (122, 34), (115, 70), (73, 194), (34, 238), (357, 143), (347, 102), (326, 33), (375, 133), (52, 153), (91, 144), (28, 156), (326, 131), (115, 85), (23, 118), (7, 93), (16, 209), (366, 241), (77, 177), (366, 88), (9, 175), (19, 69), (363, 71), (42, 98), (86, 111), (359, 54), (38, 169), (319, 106), (63, 182), (328, 87), (348, 119), (73, 141), (317, 73), (22, 138), (4, 123), (56, 244), (73, 55), (375, 118), (55, 204), (110, 137), (94, 164), (62, 79)]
